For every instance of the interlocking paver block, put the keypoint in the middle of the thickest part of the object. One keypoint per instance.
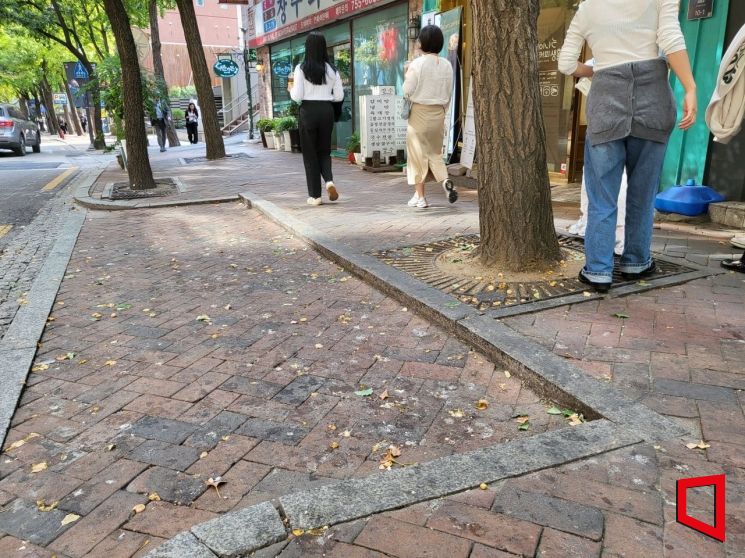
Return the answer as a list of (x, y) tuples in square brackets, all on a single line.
[(180, 546), (239, 532), (273, 431), (23, 520), (165, 430), (165, 455)]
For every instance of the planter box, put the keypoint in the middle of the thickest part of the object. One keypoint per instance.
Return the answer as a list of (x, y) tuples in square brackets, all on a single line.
[(263, 138), (287, 141), (278, 145), (269, 137), (359, 159)]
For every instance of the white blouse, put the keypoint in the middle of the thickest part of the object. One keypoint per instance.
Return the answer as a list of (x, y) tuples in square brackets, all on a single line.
[(621, 31), (304, 90), (429, 81)]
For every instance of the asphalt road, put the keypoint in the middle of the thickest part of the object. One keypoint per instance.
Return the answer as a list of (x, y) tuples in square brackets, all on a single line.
[(28, 183)]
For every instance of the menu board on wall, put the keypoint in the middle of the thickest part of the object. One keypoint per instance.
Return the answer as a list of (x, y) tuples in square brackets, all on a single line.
[(382, 129), (468, 153), (450, 23)]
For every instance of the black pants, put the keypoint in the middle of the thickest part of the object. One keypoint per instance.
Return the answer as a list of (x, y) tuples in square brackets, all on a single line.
[(160, 131), (316, 125), (191, 131)]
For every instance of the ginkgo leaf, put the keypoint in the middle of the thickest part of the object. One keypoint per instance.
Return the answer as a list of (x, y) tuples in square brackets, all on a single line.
[(334, 445), (481, 404), (153, 497), (110, 447), (215, 483), (203, 318), (40, 367), (39, 467), (298, 532), (507, 374), (123, 306), (620, 315), (364, 392), (66, 356), (483, 486), (700, 445), (522, 419), (109, 363), (203, 455), (331, 427), (42, 506), (554, 411), (456, 413), (70, 518), (384, 395), (96, 316), (139, 508), (319, 346), (346, 434), (18, 443), (524, 426)]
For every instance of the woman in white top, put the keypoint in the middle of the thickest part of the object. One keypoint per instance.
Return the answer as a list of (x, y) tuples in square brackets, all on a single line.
[(316, 85), (630, 116), (428, 86)]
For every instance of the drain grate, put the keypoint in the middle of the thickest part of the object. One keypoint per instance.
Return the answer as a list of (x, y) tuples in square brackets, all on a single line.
[(421, 261)]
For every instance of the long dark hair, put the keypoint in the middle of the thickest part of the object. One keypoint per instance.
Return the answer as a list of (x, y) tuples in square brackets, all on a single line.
[(316, 58)]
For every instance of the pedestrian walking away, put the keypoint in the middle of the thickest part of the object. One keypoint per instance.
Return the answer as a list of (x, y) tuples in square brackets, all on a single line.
[(162, 113), (428, 87), (630, 116), (83, 122), (316, 85), (62, 128), (192, 123)]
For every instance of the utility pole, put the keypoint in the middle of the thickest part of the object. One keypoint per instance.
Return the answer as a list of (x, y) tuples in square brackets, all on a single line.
[(247, 67)]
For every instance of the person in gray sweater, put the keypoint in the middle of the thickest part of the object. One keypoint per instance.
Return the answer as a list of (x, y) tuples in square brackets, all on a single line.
[(630, 115)]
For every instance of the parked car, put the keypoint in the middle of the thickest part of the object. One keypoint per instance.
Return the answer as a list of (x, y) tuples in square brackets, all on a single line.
[(16, 132)]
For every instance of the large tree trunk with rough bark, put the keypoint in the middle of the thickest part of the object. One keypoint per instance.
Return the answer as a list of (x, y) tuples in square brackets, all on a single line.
[(202, 82), (46, 93), (515, 215), (73, 109), (138, 163), (160, 73)]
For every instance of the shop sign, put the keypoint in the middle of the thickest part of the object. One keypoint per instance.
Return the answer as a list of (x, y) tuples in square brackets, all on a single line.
[(59, 98), (225, 68), (700, 9), (282, 69), (382, 128), (277, 19)]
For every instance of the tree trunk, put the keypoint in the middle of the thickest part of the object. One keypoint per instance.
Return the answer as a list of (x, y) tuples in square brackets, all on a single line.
[(46, 92), (71, 101), (515, 214), (23, 104), (67, 115), (99, 141), (212, 133), (158, 70), (138, 163)]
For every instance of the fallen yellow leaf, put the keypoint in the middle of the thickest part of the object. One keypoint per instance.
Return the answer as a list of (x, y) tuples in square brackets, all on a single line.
[(334, 445), (384, 395), (456, 413), (507, 374), (522, 419), (482, 404), (139, 508), (40, 368), (483, 486), (203, 455), (110, 363), (215, 483), (69, 518), (700, 445), (39, 467), (298, 532), (153, 497), (42, 506), (18, 443)]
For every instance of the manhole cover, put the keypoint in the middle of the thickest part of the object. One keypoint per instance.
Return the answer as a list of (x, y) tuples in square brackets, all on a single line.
[(122, 191), (194, 160), (437, 264)]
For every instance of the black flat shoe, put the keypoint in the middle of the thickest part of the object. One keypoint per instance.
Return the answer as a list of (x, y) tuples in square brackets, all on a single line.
[(651, 270), (734, 265), (450, 190), (599, 287)]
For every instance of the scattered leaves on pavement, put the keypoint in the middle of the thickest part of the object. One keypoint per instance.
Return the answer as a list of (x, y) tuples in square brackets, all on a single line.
[(364, 392), (554, 411), (456, 413), (699, 445), (70, 518), (389, 458), (39, 467), (40, 367), (66, 356), (18, 443)]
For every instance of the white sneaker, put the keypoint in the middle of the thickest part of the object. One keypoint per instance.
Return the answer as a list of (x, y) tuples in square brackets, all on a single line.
[(315, 201), (738, 241), (422, 203), (331, 189), (414, 200)]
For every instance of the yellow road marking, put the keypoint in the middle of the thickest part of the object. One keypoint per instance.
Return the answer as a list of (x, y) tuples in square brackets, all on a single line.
[(5, 229), (57, 181)]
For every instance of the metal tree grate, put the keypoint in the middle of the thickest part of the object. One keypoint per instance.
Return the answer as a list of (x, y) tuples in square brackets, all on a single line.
[(420, 262), (195, 160)]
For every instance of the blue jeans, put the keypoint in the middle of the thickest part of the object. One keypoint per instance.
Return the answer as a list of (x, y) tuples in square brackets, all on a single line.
[(604, 164)]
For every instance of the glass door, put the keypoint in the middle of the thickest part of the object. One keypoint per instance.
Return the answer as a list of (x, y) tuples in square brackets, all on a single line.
[(341, 57)]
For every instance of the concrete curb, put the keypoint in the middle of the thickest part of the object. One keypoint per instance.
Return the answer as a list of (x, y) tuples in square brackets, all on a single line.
[(241, 532), (18, 346), (84, 199), (543, 371)]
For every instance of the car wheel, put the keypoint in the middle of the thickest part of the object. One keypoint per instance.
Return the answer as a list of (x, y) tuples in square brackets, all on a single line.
[(22, 147), (37, 146)]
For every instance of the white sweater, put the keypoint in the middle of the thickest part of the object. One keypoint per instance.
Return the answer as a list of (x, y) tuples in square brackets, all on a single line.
[(621, 31), (726, 111), (429, 81), (304, 90)]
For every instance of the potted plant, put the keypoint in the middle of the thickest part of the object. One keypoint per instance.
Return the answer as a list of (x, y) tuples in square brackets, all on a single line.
[(277, 134), (284, 126), (265, 126), (354, 148)]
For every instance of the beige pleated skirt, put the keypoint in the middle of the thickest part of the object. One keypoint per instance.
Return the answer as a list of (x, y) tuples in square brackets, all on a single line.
[(424, 140)]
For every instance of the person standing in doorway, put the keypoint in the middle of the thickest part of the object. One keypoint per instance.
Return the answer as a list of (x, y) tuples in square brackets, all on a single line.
[(428, 87), (192, 123), (316, 85), (162, 114), (630, 116)]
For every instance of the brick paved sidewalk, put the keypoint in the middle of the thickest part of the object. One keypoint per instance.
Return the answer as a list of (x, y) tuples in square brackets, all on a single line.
[(201, 342)]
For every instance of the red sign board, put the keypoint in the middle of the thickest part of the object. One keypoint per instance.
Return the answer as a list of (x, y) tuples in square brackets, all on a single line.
[(341, 9)]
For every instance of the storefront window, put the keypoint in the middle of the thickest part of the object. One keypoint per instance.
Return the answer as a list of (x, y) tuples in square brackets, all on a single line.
[(557, 91), (284, 57), (380, 50)]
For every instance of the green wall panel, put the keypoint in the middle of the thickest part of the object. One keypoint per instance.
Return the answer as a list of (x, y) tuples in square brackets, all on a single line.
[(687, 151)]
